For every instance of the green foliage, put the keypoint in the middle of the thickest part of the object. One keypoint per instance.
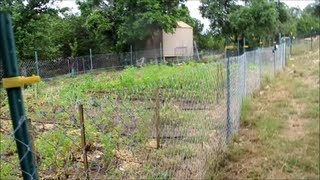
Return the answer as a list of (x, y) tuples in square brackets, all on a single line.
[(3, 97), (218, 13), (8, 170), (103, 26), (54, 147), (112, 26), (146, 17), (109, 146), (183, 151), (313, 9), (7, 144), (36, 26), (283, 13), (147, 78), (260, 19), (308, 24), (246, 108), (269, 127), (208, 41), (266, 80), (127, 79), (161, 176), (123, 23)]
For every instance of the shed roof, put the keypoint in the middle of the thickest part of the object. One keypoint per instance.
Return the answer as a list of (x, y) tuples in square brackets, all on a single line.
[(182, 24)]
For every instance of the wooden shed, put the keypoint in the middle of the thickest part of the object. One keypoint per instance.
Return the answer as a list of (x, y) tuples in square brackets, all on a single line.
[(176, 44), (179, 43)]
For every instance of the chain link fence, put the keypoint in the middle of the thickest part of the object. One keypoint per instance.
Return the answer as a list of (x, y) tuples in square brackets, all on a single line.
[(48, 69), (155, 122)]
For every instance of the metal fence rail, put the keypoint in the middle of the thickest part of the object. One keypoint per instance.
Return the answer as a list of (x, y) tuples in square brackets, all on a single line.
[(165, 126)]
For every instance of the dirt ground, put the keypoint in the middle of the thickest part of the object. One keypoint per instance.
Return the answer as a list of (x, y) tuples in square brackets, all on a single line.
[(279, 138)]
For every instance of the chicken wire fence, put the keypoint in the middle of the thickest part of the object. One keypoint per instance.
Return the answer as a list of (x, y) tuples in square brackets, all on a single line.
[(168, 129)]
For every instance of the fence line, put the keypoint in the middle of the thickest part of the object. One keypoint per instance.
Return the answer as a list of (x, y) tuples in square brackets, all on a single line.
[(83, 64), (161, 122)]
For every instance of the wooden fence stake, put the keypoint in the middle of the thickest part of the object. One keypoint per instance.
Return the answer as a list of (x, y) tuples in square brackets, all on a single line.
[(157, 117), (36, 156), (83, 141)]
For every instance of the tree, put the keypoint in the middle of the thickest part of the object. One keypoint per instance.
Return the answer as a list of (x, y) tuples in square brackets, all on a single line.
[(125, 22), (257, 20), (145, 17), (36, 26), (308, 23), (312, 9), (103, 25), (95, 27), (45, 36), (218, 13)]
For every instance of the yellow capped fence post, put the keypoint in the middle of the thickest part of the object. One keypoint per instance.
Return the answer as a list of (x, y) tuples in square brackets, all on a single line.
[(13, 83)]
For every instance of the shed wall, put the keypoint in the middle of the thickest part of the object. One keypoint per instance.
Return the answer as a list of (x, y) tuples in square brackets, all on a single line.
[(180, 43)]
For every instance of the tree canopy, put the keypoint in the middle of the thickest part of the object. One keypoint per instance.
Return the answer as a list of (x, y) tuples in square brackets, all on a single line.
[(102, 25), (113, 25), (308, 23), (218, 14), (259, 18)]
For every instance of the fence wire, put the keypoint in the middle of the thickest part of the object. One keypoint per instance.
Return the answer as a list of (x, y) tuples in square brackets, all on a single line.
[(154, 127), (50, 68)]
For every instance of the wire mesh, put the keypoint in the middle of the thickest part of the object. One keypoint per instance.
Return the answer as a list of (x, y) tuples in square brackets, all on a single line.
[(156, 122), (51, 68)]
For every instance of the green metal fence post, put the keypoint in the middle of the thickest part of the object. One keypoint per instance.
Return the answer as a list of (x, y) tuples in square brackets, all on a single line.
[(160, 52), (37, 61), (131, 57), (38, 71), (91, 65), (19, 119)]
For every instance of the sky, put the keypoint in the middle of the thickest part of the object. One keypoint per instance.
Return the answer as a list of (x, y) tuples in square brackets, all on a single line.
[(193, 6)]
